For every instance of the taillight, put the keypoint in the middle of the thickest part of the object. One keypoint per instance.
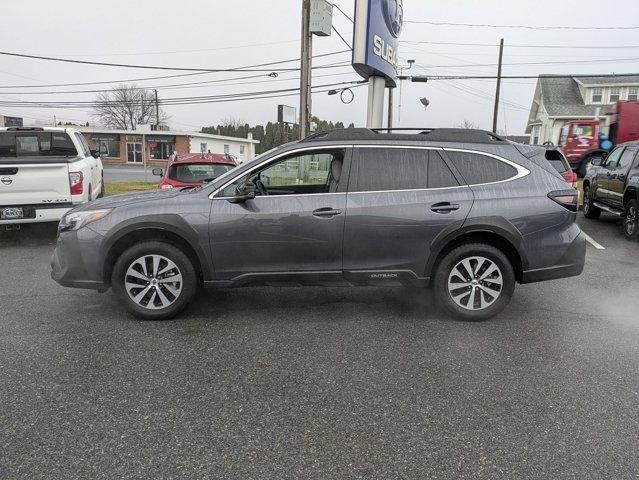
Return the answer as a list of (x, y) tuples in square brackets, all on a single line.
[(566, 198), (76, 183), (570, 177)]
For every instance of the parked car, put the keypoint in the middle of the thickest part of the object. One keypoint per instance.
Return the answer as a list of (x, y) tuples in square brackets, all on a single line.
[(44, 172), (560, 163), (463, 210), (193, 170), (612, 185)]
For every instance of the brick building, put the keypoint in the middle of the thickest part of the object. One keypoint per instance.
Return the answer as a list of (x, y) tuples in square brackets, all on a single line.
[(134, 147)]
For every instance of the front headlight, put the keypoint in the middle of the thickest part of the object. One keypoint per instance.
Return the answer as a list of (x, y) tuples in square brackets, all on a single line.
[(77, 220)]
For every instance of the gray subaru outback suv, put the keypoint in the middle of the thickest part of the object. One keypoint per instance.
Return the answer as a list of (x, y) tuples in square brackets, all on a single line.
[(462, 210)]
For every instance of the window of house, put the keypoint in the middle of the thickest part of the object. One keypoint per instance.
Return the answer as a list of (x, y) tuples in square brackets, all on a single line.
[(597, 95), (161, 150), (477, 169), (386, 169), (203, 147), (615, 94), (241, 149), (109, 148), (295, 175), (227, 149), (632, 94)]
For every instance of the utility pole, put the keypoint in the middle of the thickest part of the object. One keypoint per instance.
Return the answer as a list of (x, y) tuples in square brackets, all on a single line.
[(306, 69), (157, 110), (401, 74), (496, 111)]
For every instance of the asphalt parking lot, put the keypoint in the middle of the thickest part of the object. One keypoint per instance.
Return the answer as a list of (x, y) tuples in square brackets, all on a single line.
[(321, 383)]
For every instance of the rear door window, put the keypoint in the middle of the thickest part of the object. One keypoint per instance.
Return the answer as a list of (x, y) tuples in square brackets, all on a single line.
[(30, 144), (386, 169), (478, 169)]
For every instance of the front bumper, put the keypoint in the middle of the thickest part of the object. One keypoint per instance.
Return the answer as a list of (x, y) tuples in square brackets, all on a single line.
[(571, 264), (76, 260)]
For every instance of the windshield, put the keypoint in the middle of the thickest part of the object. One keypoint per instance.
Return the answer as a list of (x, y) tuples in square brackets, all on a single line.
[(36, 144), (197, 172)]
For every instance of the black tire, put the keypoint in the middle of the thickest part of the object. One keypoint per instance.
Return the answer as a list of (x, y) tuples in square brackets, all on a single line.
[(444, 271), (590, 211), (631, 220), (188, 284), (103, 190), (90, 193)]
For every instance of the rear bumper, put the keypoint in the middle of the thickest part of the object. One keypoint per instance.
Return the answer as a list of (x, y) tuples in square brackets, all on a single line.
[(41, 215), (571, 264)]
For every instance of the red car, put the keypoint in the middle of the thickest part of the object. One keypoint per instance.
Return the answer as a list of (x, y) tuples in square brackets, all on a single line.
[(193, 170)]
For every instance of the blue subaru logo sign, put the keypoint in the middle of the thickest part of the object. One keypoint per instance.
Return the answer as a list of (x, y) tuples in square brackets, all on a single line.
[(378, 24), (394, 15)]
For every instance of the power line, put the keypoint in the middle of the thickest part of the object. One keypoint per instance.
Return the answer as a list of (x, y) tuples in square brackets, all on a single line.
[(169, 101), (528, 77), (190, 85), (528, 27), (343, 12), (250, 68), (609, 60), (343, 39), (589, 47)]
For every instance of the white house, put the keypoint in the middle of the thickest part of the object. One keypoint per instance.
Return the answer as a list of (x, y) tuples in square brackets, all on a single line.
[(559, 99)]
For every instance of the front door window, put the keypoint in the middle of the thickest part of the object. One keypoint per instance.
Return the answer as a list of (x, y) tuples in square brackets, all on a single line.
[(316, 172), (134, 152)]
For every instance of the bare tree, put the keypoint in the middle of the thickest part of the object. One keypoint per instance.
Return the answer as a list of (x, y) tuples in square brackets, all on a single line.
[(126, 106), (468, 124)]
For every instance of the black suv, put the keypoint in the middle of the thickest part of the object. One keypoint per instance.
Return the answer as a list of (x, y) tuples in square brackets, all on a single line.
[(612, 185), (463, 210)]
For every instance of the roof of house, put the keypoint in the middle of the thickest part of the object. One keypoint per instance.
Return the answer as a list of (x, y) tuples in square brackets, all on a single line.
[(561, 98), (158, 133), (607, 80)]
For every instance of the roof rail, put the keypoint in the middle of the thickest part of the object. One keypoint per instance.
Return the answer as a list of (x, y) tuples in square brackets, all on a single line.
[(449, 135)]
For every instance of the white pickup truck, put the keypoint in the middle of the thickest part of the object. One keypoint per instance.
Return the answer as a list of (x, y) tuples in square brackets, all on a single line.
[(44, 172)]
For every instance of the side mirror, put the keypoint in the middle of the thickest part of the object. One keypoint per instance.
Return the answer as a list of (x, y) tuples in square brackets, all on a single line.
[(157, 172), (95, 153), (597, 162), (245, 191)]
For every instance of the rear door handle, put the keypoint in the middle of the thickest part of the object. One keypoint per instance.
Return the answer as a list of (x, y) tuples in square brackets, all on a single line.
[(326, 212), (444, 207)]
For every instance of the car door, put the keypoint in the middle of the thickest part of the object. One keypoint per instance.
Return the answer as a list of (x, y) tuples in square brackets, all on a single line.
[(293, 227), (618, 176), (399, 200), (603, 177)]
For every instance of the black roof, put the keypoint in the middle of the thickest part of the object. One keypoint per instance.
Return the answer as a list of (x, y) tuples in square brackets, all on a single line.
[(450, 135)]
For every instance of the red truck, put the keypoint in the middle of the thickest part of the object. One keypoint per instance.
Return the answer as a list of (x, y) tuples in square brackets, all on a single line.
[(581, 141)]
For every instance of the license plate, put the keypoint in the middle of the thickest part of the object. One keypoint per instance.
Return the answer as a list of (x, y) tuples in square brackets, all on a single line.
[(11, 213)]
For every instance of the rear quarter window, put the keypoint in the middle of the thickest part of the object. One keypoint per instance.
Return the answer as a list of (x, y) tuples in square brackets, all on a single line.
[(477, 168)]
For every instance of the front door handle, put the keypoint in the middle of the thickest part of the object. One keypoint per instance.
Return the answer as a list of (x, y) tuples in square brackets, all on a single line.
[(445, 207), (326, 212)]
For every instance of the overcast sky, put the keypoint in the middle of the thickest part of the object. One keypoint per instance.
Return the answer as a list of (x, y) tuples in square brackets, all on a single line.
[(222, 34)]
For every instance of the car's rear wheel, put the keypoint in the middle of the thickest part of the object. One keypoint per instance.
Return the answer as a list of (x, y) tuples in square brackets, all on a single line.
[(474, 282), (590, 211), (155, 280), (631, 220)]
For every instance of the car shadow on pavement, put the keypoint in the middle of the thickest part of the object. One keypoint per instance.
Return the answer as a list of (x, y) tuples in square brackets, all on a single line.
[(29, 235)]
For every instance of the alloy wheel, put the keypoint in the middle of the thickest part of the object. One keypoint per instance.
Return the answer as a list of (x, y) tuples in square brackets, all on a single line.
[(630, 222), (153, 282), (475, 283)]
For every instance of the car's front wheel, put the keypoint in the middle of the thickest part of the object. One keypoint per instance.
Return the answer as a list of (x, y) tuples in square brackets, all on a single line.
[(474, 282), (631, 220), (154, 279), (590, 211)]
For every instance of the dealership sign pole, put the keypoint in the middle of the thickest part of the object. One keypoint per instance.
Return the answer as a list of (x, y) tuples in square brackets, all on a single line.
[(378, 24)]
